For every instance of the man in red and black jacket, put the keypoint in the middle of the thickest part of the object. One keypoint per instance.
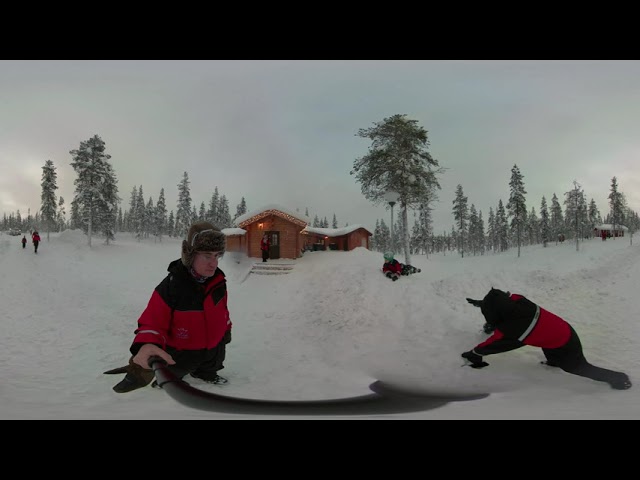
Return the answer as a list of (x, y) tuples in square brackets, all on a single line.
[(517, 322), (186, 321)]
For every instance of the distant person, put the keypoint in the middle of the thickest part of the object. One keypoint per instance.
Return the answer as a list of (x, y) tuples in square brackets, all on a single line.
[(186, 322), (393, 269), (265, 243), (24, 241), (35, 238), (518, 321), (603, 234)]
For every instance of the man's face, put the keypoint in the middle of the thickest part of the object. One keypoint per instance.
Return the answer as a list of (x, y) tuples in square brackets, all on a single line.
[(205, 263)]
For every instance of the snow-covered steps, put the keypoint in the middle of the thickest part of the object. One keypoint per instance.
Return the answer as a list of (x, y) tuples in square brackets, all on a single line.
[(272, 268)]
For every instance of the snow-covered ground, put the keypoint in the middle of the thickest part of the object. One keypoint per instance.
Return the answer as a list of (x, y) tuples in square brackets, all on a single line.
[(328, 329)]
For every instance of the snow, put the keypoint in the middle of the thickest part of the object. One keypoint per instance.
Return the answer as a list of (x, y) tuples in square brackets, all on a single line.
[(270, 206), (334, 232), (328, 329)]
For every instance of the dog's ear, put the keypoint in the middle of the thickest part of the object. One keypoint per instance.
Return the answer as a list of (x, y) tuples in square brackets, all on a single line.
[(475, 303)]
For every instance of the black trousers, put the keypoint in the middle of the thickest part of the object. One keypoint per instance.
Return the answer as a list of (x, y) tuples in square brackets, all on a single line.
[(203, 363), (571, 359), (265, 255), (35, 244)]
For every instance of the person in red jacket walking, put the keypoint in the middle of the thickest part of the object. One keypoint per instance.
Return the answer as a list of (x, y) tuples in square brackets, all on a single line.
[(186, 321), (517, 322), (35, 238)]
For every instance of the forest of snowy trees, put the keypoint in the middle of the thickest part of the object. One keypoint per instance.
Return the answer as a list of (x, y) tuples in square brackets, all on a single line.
[(398, 161), (96, 206), (511, 225), (401, 164)]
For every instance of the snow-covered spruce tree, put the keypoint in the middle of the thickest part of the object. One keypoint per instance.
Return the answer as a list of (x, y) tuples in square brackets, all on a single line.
[(183, 215), (212, 212), (202, 212), (241, 209), (398, 160), (150, 219), (461, 217), (557, 218), (75, 222), (334, 222), (171, 225), (616, 204), (120, 220), (533, 227), (594, 217), (161, 216), (545, 226), (422, 229), (516, 206), (60, 217), (383, 236), (139, 227), (131, 222), (471, 235), (108, 204), (48, 196), (633, 223), (575, 212), (476, 231), (502, 227), (96, 189), (194, 215), (492, 236), (223, 213)]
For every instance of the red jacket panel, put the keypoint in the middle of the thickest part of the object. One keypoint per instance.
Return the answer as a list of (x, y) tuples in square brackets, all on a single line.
[(528, 325), (393, 266), (199, 317)]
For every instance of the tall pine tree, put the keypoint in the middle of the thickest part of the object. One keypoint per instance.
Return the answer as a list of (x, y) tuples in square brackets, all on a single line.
[(96, 190), (48, 196), (516, 206), (398, 160)]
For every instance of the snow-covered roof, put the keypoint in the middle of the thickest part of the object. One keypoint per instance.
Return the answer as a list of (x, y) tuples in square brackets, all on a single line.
[(233, 231), (609, 226), (258, 211), (333, 232)]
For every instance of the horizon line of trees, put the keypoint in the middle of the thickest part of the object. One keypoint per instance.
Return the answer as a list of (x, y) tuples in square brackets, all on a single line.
[(398, 169), (526, 227), (398, 164), (96, 204)]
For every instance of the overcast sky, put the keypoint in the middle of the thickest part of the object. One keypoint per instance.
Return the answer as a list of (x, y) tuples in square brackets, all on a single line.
[(285, 131)]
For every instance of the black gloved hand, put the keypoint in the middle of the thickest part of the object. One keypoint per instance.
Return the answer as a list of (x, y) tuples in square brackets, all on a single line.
[(136, 377), (475, 303), (475, 359), (227, 337), (488, 328)]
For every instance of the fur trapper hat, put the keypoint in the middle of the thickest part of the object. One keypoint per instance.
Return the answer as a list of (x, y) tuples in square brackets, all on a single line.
[(202, 237)]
